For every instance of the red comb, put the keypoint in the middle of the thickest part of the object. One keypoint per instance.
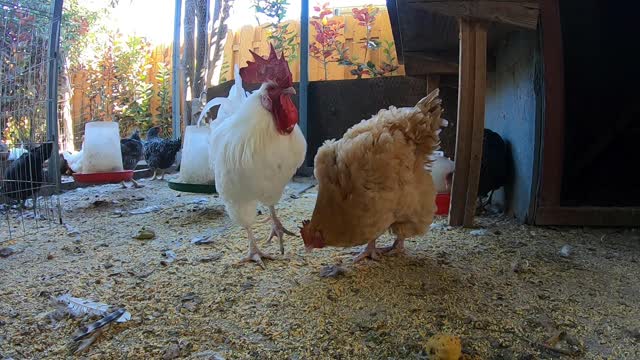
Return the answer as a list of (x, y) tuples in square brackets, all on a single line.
[(270, 69)]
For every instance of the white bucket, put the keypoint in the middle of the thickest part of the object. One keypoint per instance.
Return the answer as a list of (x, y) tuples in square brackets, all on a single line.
[(195, 167), (101, 148)]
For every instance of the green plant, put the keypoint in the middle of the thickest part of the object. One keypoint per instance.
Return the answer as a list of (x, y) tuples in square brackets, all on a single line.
[(224, 71), (326, 47), (366, 17), (388, 66), (23, 48), (163, 79), (278, 33)]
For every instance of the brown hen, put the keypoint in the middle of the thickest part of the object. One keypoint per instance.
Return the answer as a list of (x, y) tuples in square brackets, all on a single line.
[(374, 179)]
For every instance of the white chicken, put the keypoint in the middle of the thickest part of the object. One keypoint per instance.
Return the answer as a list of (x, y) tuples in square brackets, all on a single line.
[(442, 171), (257, 146)]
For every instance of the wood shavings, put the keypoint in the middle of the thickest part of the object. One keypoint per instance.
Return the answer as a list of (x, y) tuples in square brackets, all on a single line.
[(202, 240), (444, 347), (144, 234), (381, 310), (332, 271), (145, 210), (6, 252), (71, 231)]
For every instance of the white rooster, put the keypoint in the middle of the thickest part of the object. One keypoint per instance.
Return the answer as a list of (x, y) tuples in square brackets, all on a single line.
[(257, 146)]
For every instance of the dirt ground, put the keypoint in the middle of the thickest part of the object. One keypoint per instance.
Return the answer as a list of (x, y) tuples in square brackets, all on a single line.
[(505, 291)]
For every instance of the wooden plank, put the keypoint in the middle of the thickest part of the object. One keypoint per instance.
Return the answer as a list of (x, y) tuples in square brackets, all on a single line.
[(479, 96), (588, 216), (465, 124), (553, 122), (418, 64), (519, 13)]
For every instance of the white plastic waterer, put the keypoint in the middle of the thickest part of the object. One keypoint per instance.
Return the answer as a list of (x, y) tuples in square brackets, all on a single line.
[(101, 148), (195, 167)]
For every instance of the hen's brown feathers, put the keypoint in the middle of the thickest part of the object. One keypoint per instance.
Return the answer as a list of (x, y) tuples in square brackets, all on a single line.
[(373, 179)]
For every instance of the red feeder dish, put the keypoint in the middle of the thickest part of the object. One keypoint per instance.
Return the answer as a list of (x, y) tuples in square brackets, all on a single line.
[(104, 177), (442, 203)]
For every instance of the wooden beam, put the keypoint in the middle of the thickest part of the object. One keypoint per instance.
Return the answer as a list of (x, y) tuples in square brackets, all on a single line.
[(471, 103), (417, 64), (465, 125), (588, 216), (477, 135), (552, 147), (519, 13)]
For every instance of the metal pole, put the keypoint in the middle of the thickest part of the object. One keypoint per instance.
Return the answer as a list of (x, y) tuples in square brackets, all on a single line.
[(52, 91), (175, 80), (304, 66)]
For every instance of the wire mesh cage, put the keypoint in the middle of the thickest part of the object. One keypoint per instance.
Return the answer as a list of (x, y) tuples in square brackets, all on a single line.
[(28, 199)]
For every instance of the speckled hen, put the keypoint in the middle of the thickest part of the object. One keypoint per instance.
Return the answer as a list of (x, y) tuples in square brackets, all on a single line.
[(160, 153)]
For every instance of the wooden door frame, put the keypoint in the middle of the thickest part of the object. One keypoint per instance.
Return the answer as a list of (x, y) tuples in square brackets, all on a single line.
[(547, 208)]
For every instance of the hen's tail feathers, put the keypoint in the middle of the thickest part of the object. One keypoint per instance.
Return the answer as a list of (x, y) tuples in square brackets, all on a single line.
[(426, 128)]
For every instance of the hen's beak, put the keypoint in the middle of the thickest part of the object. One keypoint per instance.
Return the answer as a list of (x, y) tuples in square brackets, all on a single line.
[(289, 90)]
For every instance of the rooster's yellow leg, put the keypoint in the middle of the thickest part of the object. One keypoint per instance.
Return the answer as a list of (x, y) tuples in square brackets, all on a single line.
[(255, 254), (369, 252)]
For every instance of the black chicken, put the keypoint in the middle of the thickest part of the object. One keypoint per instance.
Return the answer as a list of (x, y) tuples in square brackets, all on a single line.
[(132, 151), (159, 153), (494, 166), (25, 176)]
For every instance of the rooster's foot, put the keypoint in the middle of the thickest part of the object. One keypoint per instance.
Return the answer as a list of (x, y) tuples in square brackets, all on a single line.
[(370, 252), (256, 256), (396, 248), (278, 230)]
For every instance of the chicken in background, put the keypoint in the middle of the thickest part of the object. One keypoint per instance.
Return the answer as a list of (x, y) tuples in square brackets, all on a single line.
[(374, 180), (72, 161), (494, 167), (132, 152), (24, 177), (160, 153), (442, 171), (257, 147)]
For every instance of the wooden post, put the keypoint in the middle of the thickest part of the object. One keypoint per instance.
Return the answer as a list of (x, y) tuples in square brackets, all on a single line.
[(471, 106), (175, 75), (304, 67)]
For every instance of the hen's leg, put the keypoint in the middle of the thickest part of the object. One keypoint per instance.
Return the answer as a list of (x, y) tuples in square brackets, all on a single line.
[(124, 186), (277, 229), (255, 254), (161, 174), (369, 252), (154, 174), (396, 248)]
